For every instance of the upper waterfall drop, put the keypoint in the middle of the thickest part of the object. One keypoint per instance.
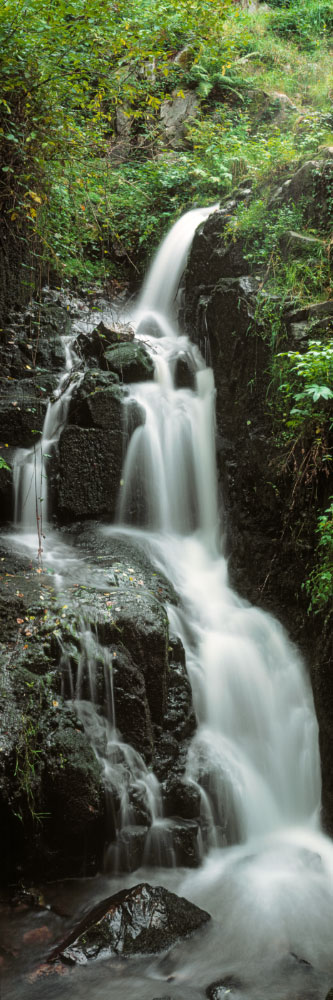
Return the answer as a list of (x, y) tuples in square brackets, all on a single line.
[(159, 293)]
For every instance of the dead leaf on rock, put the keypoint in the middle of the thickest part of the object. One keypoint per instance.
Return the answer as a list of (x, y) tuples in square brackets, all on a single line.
[(37, 935), (47, 970)]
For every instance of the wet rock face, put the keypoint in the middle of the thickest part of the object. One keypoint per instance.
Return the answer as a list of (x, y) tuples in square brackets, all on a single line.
[(48, 767), (136, 921), (23, 405), (51, 793), (6, 492), (33, 340), (90, 464), (222, 318), (92, 445)]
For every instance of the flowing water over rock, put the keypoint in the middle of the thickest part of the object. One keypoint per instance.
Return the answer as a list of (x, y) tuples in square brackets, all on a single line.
[(267, 877)]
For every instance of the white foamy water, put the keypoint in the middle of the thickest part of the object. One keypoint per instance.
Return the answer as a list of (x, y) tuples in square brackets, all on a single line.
[(267, 879), (255, 753), (31, 492)]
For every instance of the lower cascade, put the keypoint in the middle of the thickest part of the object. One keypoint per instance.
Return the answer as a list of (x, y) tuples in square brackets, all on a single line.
[(266, 869)]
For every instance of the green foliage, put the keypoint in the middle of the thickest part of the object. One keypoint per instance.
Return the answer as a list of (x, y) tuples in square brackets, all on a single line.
[(304, 418), (307, 386), (309, 21), (3, 464), (319, 585), (68, 69), (285, 271), (27, 762), (100, 219)]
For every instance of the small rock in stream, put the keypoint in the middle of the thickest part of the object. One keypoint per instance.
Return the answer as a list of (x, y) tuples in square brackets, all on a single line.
[(230, 986)]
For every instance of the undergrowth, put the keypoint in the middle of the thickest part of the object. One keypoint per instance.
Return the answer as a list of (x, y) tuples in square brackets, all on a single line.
[(91, 197)]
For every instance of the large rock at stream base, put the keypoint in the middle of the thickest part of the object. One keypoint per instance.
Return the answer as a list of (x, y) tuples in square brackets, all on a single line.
[(135, 921)]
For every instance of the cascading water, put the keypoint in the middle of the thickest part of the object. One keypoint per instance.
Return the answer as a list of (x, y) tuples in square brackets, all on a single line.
[(255, 751), (126, 778), (30, 464), (254, 757)]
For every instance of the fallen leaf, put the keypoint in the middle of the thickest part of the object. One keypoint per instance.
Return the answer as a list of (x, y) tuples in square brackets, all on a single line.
[(47, 970), (36, 935)]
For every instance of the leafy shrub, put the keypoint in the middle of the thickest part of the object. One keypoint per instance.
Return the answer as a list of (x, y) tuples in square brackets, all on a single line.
[(308, 384), (319, 585), (305, 20)]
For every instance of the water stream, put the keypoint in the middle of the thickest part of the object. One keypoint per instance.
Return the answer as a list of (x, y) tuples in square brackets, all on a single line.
[(255, 752)]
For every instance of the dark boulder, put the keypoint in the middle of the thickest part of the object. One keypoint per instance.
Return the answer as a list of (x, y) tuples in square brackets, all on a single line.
[(185, 839), (181, 798), (184, 374), (98, 401), (90, 465), (92, 345), (73, 794), (85, 408), (132, 710), (135, 921)]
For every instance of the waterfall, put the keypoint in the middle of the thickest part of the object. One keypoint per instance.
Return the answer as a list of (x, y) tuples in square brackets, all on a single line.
[(267, 878), (255, 753)]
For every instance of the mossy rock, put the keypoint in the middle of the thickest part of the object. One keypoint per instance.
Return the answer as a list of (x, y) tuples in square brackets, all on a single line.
[(130, 361)]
